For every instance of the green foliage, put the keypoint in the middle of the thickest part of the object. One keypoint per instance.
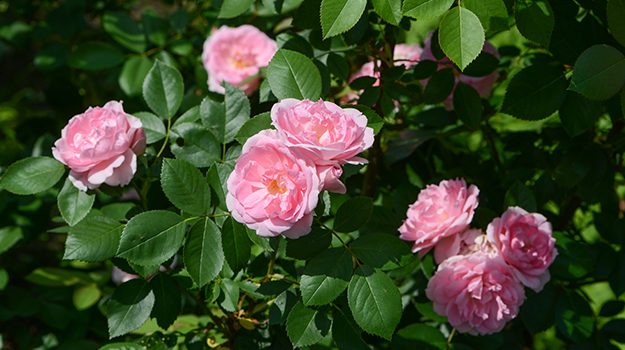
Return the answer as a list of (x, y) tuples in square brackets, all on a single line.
[(599, 72), (32, 175), (293, 75), (535, 20), (93, 239), (326, 276), (426, 9), (461, 36), (185, 187), (129, 307), (73, 203), (163, 89), (339, 16)]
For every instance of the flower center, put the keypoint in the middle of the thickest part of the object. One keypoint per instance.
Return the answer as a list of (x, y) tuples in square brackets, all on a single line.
[(275, 187)]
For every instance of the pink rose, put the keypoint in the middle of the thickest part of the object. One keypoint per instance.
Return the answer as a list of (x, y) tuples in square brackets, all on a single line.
[(273, 189), (525, 242), (401, 54), (467, 242), (476, 292), (101, 146), (440, 211), (235, 54), (483, 85), (324, 132)]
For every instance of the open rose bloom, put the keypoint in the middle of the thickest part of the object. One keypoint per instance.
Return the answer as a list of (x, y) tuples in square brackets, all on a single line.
[(441, 211), (236, 54), (477, 292), (101, 146), (525, 242), (324, 132), (272, 189)]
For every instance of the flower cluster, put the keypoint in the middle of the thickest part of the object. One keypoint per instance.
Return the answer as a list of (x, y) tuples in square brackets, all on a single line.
[(276, 182), (479, 282), (101, 146)]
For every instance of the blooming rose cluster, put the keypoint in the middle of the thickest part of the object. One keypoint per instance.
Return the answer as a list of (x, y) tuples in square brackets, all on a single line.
[(101, 146), (235, 55), (276, 182), (479, 283)]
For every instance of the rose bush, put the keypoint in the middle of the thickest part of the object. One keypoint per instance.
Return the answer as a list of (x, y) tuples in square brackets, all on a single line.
[(101, 146)]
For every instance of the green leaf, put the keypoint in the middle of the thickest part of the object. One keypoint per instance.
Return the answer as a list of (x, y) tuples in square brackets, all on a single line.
[(461, 36), (225, 119), (199, 148), (129, 307), (389, 10), (353, 214), (163, 89), (326, 277), (86, 296), (426, 68), (599, 72), (51, 56), (181, 47), (294, 42), (374, 121), (345, 331), (426, 9), (133, 74), (53, 277), (73, 203), (229, 296), (185, 187), (535, 93), (122, 346), (217, 177), (483, 65), (339, 16), (468, 105), (573, 261), (179, 20), (439, 87), (167, 299), (293, 75), (9, 235), (520, 196), (538, 310), (233, 8), (535, 20), (616, 19), (32, 175), (306, 326), (253, 126), (419, 336), (310, 245), (117, 211), (93, 239), (236, 244), (374, 301), (383, 251), (283, 305), (578, 113), (493, 14), (152, 237), (4, 279), (155, 27), (203, 255), (95, 55), (189, 116), (124, 30), (144, 271), (153, 127), (574, 317)]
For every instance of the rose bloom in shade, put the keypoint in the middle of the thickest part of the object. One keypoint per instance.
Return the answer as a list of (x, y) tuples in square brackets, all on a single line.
[(273, 189), (235, 54), (324, 132), (101, 146), (525, 242), (441, 211), (476, 292), (403, 54), (483, 85)]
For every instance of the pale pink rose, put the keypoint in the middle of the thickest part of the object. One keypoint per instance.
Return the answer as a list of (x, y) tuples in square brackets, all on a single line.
[(440, 211), (467, 242), (101, 146), (525, 242), (273, 189), (235, 54), (477, 293), (403, 54), (324, 132), (483, 85)]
